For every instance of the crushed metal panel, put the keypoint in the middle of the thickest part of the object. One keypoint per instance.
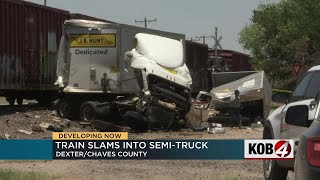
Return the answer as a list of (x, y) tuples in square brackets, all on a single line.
[(200, 109), (252, 87)]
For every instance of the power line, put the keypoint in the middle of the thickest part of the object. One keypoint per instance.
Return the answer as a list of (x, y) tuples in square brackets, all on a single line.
[(203, 37), (194, 40), (146, 21)]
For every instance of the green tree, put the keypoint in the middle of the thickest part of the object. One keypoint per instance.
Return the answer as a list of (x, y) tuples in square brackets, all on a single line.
[(283, 33)]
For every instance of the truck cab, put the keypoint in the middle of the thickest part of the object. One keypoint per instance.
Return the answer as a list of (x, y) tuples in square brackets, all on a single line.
[(139, 74)]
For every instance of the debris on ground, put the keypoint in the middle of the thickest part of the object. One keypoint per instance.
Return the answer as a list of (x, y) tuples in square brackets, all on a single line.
[(27, 116), (256, 125), (54, 113), (203, 127), (37, 116), (44, 125), (215, 128), (54, 129), (219, 130), (7, 136), (10, 122), (85, 123), (36, 128), (62, 122), (24, 131), (258, 129), (56, 119), (66, 122), (186, 130)]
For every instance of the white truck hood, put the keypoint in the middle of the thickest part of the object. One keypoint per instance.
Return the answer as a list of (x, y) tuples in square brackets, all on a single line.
[(164, 51), (160, 56)]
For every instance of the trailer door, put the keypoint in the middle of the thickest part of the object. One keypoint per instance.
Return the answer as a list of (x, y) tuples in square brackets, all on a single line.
[(103, 58), (79, 75)]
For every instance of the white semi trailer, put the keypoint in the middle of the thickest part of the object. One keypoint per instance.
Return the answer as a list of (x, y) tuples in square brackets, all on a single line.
[(123, 74)]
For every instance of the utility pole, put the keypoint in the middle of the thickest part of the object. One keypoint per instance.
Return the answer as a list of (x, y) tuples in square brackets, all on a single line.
[(45, 2), (146, 21), (194, 40), (203, 37)]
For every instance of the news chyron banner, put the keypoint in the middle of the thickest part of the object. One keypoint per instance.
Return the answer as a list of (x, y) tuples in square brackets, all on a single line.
[(117, 145), (70, 145)]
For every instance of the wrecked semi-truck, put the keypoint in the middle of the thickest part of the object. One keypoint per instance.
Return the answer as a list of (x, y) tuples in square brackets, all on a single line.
[(214, 106), (123, 74)]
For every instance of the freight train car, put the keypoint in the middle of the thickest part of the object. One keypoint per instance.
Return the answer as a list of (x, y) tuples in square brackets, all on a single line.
[(231, 61), (197, 62), (30, 35)]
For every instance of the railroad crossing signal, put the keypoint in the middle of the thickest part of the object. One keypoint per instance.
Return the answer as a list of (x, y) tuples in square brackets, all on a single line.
[(217, 40), (296, 68)]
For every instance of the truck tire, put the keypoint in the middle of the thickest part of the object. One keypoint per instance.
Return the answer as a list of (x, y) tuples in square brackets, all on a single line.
[(19, 101), (271, 169), (11, 100), (63, 108), (137, 121), (88, 111)]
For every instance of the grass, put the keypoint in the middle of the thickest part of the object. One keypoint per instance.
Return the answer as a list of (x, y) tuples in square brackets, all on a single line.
[(23, 175)]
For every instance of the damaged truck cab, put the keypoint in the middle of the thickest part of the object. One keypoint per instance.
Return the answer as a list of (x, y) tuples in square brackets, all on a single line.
[(255, 98), (123, 74), (163, 78)]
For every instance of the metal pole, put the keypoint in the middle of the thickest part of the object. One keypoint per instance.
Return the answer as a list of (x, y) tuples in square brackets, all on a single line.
[(203, 37), (216, 47), (145, 22)]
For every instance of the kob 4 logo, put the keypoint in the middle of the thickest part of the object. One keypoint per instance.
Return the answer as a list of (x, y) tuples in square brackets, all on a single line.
[(268, 149)]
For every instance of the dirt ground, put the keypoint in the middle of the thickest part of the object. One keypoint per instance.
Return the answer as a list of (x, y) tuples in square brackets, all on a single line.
[(12, 119)]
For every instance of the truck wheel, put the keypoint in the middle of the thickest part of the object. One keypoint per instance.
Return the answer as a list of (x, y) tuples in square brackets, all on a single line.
[(19, 101), (88, 111), (271, 170), (11, 100), (63, 108), (136, 121)]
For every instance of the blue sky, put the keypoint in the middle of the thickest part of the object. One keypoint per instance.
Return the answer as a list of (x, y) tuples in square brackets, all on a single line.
[(190, 17)]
